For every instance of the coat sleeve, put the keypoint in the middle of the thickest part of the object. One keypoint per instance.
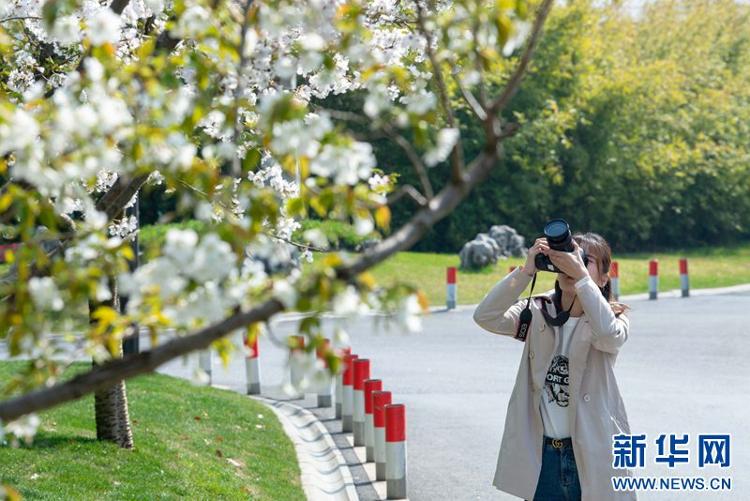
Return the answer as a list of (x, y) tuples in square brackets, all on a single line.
[(609, 331), (500, 309)]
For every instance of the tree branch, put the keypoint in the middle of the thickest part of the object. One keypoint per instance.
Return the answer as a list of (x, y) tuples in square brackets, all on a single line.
[(144, 362), (406, 236), (413, 156), (409, 190), (457, 156), (132, 365), (499, 104)]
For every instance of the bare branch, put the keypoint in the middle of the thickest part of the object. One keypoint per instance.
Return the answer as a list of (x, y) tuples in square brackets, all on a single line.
[(457, 156), (414, 158), (409, 190), (475, 106), (513, 84), (20, 18)]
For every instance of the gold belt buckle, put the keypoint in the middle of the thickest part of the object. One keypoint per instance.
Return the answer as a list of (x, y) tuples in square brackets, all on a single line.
[(557, 443)]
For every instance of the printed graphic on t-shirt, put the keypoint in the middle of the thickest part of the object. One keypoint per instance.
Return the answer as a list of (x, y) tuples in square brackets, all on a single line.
[(556, 382)]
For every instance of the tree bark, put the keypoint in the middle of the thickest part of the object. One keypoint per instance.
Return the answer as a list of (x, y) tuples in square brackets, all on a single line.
[(111, 402)]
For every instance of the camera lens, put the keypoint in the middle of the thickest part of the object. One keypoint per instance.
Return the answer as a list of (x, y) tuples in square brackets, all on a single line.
[(558, 235), (557, 229)]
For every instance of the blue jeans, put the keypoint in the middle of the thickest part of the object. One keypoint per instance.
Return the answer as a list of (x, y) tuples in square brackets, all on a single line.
[(558, 479)]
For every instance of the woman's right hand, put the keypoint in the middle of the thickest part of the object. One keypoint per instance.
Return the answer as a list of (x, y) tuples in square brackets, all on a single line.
[(540, 245)]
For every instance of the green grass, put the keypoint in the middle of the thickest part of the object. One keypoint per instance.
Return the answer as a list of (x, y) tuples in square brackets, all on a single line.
[(184, 437), (708, 267)]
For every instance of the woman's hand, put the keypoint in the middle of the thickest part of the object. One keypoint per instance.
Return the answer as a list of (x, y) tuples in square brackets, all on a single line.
[(570, 263), (540, 245)]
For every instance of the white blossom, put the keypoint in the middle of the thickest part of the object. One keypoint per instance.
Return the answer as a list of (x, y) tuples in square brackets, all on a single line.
[(446, 140), (20, 132), (103, 27), (346, 164), (192, 22), (45, 294), (409, 314)]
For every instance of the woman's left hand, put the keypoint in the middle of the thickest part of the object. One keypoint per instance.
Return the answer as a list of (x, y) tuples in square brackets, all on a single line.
[(570, 263)]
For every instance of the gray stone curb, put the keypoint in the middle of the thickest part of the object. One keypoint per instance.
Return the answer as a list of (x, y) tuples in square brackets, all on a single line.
[(325, 473)]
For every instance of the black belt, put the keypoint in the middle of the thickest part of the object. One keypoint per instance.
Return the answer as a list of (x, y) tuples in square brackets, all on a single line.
[(558, 443)]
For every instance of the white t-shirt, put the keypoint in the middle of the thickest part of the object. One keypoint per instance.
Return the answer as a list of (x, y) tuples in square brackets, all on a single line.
[(554, 400)]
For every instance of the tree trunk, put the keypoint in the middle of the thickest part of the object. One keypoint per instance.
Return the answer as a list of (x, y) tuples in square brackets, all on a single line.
[(111, 403)]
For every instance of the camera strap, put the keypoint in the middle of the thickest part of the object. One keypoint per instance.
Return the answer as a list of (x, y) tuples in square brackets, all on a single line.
[(561, 317), (524, 320)]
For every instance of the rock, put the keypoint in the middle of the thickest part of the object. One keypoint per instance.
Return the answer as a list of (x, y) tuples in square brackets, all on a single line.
[(509, 241), (501, 242), (480, 252)]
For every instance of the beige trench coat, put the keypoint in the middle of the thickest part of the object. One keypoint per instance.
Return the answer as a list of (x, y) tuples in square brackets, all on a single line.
[(596, 407)]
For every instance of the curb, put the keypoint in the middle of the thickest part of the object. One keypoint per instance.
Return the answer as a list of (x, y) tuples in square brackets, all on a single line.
[(325, 473)]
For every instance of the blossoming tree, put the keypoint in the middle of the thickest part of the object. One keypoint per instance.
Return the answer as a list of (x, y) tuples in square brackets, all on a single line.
[(224, 101)]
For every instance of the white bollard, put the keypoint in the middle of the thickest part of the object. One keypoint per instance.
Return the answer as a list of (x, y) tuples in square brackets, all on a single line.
[(371, 385), (451, 286), (379, 400), (252, 367), (684, 284), (339, 392), (296, 372), (614, 274), (204, 362), (324, 394), (361, 372), (347, 400), (395, 451), (653, 278)]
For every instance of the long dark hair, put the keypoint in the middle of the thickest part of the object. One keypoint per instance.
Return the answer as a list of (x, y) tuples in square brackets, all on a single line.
[(596, 247)]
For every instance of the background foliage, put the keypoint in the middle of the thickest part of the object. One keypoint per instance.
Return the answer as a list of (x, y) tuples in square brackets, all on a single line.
[(634, 128)]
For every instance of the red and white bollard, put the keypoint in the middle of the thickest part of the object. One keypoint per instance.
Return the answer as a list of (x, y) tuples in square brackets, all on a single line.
[(379, 400), (684, 283), (339, 390), (252, 367), (395, 451), (347, 399), (371, 385), (614, 276), (325, 398), (653, 278), (452, 293), (361, 372)]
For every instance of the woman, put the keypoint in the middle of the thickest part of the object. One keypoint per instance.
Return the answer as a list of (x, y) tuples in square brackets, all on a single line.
[(565, 405)]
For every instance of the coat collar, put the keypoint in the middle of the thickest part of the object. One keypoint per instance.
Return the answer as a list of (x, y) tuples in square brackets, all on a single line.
[(548, 303)]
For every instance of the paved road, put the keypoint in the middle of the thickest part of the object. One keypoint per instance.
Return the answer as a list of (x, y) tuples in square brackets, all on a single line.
[(683, 370)]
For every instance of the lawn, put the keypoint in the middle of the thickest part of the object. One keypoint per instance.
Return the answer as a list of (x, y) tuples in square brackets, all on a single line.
[(190, 442), (708, 267)]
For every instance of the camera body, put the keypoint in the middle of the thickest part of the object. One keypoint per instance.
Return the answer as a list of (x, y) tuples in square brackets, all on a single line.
[(557, 233)]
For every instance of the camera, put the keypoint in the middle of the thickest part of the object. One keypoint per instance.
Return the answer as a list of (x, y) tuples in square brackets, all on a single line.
[(557, 233)]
